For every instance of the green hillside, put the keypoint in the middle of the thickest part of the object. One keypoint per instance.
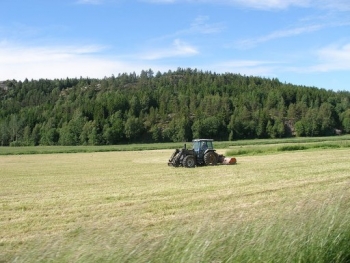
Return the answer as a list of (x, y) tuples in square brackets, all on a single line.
[(174, 106)]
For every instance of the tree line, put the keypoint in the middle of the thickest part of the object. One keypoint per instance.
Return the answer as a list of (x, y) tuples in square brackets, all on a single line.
[(161, 107)]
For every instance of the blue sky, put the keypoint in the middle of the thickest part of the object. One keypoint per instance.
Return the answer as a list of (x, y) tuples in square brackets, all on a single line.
[(303, 42)]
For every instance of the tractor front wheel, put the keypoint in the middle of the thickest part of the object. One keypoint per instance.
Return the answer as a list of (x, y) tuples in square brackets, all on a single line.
[(189, 161), (210, 158)]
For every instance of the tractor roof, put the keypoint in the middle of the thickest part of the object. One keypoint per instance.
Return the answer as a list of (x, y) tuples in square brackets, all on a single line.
[(201, 140)]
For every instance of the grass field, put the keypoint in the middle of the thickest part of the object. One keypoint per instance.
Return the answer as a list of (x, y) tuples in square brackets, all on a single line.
[(285, 206), (241, 147)]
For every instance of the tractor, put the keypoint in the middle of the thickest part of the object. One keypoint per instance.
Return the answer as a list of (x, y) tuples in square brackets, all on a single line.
[(201, 154)]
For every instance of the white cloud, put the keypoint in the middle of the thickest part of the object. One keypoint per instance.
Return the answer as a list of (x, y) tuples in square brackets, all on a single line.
[(339, 5), (270, 4), (246, 67), (258, 4), (20, 62), (248, 43), (90, 2), (332, 58), (200, 25), (177, 49), (160, 1), (13, 54)]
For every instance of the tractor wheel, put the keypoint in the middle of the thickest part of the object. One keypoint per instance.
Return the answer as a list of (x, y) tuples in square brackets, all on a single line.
[(189, 161), (210, 158)]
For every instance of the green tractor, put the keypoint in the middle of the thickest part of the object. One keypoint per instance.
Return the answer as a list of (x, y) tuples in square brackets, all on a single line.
[(202, 153)]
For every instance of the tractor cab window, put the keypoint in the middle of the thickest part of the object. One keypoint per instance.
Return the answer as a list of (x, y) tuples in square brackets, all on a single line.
[(208, 145), (204, 146), (196, 146)]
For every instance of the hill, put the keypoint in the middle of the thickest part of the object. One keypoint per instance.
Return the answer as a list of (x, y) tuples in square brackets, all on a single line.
[(172, 106)]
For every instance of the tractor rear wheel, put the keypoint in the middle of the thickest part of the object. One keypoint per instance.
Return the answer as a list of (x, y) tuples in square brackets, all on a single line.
[(210, 158), (189, 161)]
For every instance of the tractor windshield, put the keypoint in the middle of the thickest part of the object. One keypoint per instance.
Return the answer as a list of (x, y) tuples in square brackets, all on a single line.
[(196, 146)]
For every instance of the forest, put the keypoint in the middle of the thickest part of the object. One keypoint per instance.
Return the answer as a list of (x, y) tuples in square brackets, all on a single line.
[(174, 106)]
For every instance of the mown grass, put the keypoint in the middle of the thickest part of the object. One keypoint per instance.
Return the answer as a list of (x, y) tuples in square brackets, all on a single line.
[(131, 207)]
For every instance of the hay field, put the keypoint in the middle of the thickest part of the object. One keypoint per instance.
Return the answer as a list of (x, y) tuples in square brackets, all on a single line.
[(132, 207)]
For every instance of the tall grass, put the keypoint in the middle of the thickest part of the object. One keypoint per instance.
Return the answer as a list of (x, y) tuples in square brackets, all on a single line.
[(257, 146), (274, 148), (312, 234), (83, 149)]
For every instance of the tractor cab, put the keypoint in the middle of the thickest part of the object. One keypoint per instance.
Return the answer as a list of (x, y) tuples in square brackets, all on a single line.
[(202, 144), (201, 147)]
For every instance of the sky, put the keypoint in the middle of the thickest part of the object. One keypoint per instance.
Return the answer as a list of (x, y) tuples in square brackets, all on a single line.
[(302, 42)]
